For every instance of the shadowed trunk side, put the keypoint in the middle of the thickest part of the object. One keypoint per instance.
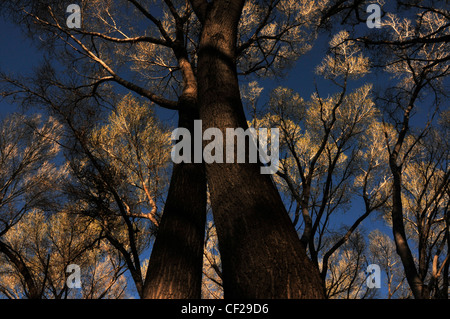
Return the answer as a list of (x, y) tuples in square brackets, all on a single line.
[(175, 266)]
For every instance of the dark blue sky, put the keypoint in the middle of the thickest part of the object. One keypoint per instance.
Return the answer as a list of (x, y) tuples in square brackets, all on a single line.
[(17, 55)]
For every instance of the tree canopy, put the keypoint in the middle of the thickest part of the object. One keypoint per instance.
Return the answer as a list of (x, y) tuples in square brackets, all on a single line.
[(86, 175)]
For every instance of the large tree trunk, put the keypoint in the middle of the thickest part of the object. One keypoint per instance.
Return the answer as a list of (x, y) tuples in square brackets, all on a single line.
[(175, 266), (262, 256)]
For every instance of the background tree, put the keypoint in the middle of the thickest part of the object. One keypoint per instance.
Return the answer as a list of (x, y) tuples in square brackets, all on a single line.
[(421, 68), (136, 145), (415, 51), (28, 146), (331, 152), (119, 179), (425, 205), (346, 275), (48, 244), (383, 253), (39, 237)]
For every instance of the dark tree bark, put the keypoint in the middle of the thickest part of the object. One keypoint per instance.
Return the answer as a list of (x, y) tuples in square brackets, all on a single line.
[(261, 253), (176, 263), (175, 266)]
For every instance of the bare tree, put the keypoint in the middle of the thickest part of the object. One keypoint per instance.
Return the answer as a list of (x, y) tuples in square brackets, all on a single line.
[(332, 152), (28, 146), (347, 278), (416, 52), (47, 244)]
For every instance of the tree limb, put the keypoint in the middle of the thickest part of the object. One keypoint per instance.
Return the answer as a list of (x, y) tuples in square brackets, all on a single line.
[(200, 8), (152, 18), (126, 40), (163, 102), (33, 291)]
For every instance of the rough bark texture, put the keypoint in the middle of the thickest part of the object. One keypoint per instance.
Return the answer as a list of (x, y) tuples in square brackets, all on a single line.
[(262, 256), (175, 266)]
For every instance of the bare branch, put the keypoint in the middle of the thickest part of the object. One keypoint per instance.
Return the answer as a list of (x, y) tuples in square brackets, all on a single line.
[(172, 105), (152, 18), (200, 8), (126, 40)]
